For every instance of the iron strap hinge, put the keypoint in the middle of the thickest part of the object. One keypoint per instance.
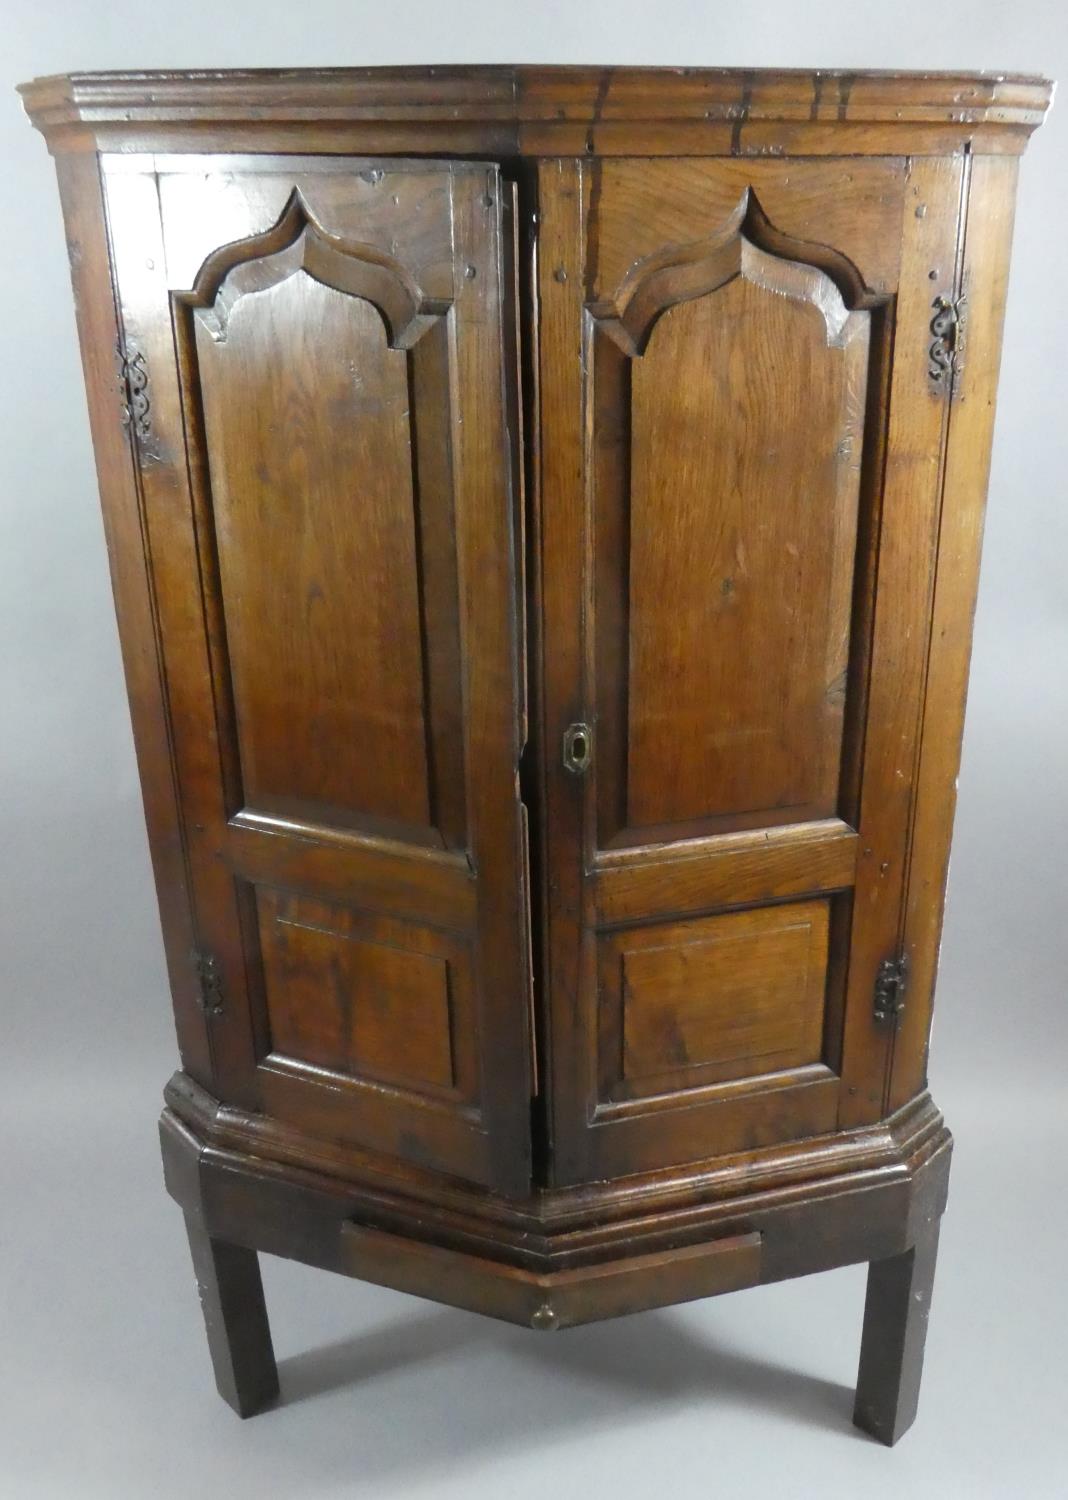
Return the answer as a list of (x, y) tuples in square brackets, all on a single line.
[(946, 342), (891, 981), (134, 397), (209, 979)]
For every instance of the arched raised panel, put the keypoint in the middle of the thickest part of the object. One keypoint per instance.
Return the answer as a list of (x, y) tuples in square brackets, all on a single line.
[(321, 376), (298, 243), (730, 387)]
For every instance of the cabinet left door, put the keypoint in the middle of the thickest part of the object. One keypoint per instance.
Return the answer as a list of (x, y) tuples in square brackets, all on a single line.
[(332, 546)]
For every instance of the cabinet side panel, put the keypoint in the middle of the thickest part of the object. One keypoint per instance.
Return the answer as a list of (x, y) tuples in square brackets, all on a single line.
[(175, 562), (908, 538), (988, 238), (98, 331)]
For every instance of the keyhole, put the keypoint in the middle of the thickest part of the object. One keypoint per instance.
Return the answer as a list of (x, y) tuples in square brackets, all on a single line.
[(577, 746)]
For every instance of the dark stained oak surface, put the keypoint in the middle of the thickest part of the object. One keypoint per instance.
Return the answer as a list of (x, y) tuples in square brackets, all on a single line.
[(721, 529), (449, 421), (712, 1000), (345, 704), (746, 430), (307, 421), (725, 98)]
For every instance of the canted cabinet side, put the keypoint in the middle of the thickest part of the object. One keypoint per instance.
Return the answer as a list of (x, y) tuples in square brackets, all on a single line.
[(987, 243), (122, 505)]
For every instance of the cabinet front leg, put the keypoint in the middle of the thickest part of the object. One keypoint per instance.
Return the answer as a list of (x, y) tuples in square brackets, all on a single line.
[(896, 1310), (235, 1316)]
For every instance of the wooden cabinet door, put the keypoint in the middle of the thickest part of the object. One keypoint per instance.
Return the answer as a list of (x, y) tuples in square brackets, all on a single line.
[(314, 362), (739, 492)]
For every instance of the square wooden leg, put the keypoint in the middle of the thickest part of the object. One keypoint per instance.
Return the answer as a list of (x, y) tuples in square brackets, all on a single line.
[(235, 1316), (895, 1329)]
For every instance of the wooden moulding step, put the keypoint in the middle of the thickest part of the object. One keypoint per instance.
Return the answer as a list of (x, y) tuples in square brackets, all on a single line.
[(544, 110), (558, 1299), (603, 1257), (584, 1217), (504, 93)]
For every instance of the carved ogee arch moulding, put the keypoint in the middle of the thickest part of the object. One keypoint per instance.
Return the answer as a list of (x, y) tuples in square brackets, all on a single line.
[(296, 242), (748, 245)]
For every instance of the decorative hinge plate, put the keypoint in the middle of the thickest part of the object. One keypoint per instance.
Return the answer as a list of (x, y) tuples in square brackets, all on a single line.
[(891, 981), (209, 978), (133, 390), (947, 341)]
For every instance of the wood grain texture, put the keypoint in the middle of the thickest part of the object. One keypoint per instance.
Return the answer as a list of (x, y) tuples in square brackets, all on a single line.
[(810, 1213), (122, 505), (577, 1224), (906, 542), (731, 567), (640, 383), (707, 1001), (896, 1312), (723, 515), (822, 203), (235, 1319), (558, 483), (370, 998), (173, 548), (561, 1299), (309, 448), (833, 1212), (723, 870), (988, 236), (345, 696), (543, 111)]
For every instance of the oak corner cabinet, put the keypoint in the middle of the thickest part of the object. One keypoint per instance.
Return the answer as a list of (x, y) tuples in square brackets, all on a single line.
[(544, 510)]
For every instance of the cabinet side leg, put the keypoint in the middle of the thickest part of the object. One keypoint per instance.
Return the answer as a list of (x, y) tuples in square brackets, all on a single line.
[(235, 1316), (896, 1311)]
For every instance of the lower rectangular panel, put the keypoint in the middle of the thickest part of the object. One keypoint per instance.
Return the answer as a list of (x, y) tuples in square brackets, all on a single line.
[(711, 1037), (684, 1004), (374, 998), (558, 1299), (372, 1032)]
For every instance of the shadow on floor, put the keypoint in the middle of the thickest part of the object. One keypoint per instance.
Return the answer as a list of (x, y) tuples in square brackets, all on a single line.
[(598, 1375)]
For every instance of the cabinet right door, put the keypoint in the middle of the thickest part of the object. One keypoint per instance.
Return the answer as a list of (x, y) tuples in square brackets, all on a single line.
[(743, 407)]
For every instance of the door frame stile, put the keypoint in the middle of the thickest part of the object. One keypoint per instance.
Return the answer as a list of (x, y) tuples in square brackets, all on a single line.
[(562, 504)]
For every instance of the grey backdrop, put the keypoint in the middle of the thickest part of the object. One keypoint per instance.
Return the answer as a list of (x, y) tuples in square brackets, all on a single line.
[(104, 1382)]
